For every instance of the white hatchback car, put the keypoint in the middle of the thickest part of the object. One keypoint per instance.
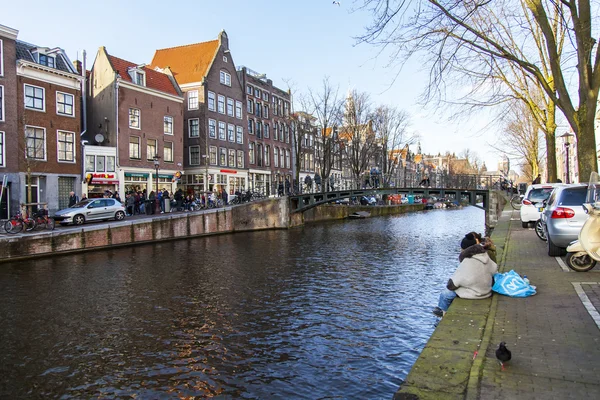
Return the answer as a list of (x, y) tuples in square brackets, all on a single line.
[(532, 203)]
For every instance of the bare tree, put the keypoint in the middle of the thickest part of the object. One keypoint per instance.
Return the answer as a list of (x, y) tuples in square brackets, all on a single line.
[(451, 33), (325, 106), (474, 163), (357, 136), (522, 139), (391, 127)]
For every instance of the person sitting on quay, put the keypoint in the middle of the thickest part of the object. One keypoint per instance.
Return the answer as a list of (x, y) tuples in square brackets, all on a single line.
[(474, 277)]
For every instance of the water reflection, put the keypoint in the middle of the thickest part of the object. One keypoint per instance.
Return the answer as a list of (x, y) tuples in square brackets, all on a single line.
[(338, 310)]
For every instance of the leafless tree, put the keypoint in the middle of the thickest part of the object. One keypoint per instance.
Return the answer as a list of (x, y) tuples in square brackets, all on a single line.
[(452, 33), (326, 107), (391, 127), (522, 139), (358, 140)]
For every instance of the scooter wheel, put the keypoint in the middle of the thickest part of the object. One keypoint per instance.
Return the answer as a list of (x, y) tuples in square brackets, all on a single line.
[(580, 261)]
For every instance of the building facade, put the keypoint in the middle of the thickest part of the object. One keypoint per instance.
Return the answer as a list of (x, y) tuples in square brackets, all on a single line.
[(45, 161), (8, 122), (214, 144), (270, 136), (135, 116)]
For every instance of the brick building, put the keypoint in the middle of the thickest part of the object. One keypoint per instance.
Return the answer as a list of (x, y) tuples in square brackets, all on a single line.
[(9, 166), (40, 126), (215, 120), (135, 116), (269, 134)]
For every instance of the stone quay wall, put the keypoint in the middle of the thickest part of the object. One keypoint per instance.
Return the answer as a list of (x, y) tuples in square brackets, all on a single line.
[(255, 216)]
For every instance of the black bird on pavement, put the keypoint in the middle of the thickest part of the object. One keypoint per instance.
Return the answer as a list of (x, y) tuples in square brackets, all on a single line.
[(503, 354)]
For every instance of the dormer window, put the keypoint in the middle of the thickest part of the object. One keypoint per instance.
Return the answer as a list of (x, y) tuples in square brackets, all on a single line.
[(48, 61), (138, 76)]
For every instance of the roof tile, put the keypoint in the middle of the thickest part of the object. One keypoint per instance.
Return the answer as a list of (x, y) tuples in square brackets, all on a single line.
[(189, 63), (154, 79)]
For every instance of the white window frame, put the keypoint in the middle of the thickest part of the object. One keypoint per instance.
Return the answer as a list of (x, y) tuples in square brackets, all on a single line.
[(165, 124), (225, 78), (276, 157), (223, 156), (45, 158), (139, 118), (251, 159), (214, 123), (2, 112), (224, 58), (190, 98), (2, 149), (266, 131), (249, 90), (74, 160), (267, 156), (139, 155), (213, 151), (266, 110), (231, 161), (40, 55), (212, 98), (231, 133), (219, 102), (72, 104), (137, 73), (197, 126), (165, 148), (240, 159), (150, 156), (43, 109), (239, 134), (231, 103), (223, 125), (238, 109), (190, 155)]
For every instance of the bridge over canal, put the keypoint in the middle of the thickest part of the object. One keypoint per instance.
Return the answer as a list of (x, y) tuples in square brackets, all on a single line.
[(485, 199)]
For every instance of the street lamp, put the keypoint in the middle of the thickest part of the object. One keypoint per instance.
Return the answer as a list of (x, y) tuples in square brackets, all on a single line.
[(567, 137), (156, 165)]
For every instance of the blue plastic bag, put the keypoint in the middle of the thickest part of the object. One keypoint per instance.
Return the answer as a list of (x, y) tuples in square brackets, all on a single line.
[(511, 284)]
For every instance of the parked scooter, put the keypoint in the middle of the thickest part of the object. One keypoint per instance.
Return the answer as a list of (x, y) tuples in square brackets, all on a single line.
[(582, 254)]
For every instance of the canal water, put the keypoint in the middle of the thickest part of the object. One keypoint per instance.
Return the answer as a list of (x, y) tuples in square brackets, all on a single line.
[(329, 311)]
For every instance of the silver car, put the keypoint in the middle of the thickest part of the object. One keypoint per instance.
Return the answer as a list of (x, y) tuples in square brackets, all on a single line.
[(91, 210), (563, 217)]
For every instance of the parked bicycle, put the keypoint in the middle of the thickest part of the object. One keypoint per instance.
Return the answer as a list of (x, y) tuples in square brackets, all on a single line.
[(19, 222), (43, 221), (515, 201)]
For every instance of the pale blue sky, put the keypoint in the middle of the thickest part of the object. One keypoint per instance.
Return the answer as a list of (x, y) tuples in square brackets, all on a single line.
[(302, 41)]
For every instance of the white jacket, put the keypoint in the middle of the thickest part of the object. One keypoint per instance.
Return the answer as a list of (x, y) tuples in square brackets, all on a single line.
[(474, 277)]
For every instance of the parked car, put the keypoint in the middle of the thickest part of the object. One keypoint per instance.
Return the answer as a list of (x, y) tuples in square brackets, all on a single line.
[(91, 210), (563, 217), (532, 202)]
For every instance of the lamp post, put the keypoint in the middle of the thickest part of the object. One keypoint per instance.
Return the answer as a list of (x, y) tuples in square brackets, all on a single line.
[(156, 165), (566, 137)]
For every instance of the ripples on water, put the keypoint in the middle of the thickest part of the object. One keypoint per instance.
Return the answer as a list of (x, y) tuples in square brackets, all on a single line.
[(328, 311)]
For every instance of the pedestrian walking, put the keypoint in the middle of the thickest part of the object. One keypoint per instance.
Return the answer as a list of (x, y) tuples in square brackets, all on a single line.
[(73, 199)]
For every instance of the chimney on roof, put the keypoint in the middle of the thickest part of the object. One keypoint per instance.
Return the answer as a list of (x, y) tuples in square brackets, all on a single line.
[(78, 67), (224, 40)]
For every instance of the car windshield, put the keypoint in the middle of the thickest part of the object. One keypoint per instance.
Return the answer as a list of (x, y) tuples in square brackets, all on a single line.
[(541, 194), (573, 197), (81, 204)]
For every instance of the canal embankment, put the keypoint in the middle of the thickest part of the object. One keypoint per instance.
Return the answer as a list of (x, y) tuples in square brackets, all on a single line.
[(261, 215), (553, 335)]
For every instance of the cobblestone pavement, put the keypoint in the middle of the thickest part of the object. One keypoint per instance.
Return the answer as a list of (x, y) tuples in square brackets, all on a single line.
[(554, 339)]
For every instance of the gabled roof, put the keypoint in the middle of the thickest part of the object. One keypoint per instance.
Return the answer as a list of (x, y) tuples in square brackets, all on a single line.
[(189, 63), (154, 79)]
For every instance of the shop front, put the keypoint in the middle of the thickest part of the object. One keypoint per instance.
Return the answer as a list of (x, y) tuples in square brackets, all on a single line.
[(101, 183), (260, 181)]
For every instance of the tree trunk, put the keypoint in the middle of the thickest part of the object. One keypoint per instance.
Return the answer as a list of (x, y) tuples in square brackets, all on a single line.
[(550, 145), (587, 160)]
